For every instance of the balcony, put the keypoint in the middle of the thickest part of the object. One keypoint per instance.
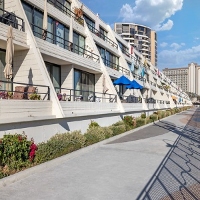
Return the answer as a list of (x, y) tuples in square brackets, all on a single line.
[(59, 42), (66, 11), (11, 19), (116, 67), (20, 37), (138, 77), (21, 102), (102, 36), (84, 103)]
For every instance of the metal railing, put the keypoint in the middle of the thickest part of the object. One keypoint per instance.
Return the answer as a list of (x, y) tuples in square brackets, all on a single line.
[(22, 91), (102, 36), (150, 100), (116, 67), (129, 99), (152, 83), (160, 101), (66, 11), (138, 77), (65, 44), (65, 94), (10, 18)]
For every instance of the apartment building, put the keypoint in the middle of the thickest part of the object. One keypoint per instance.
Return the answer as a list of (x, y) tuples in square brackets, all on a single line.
[(187, 78), (64, 64), (142, 38)]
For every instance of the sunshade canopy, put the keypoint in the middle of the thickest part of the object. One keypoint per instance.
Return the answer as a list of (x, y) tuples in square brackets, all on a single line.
[(134, 85), (122, 81)]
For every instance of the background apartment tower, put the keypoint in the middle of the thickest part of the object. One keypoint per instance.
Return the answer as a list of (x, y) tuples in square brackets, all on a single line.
[(187, 78), (141, 37)]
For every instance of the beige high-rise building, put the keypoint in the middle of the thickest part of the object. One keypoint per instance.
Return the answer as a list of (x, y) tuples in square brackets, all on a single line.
[(187, 78), (141, 37)]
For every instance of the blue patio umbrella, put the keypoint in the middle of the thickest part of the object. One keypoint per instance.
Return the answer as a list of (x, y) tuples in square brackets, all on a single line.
[(134, 85), (122, 81)]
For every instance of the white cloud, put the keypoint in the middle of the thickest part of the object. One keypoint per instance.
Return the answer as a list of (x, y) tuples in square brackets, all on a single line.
[(177, 46), (178, 58), (152, 13), (163, 44)]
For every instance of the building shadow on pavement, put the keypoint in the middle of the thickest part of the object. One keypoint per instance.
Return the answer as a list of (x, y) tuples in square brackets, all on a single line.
[(178, 175)]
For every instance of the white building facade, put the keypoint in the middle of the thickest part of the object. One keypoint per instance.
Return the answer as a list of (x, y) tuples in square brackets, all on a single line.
[(63, 75)]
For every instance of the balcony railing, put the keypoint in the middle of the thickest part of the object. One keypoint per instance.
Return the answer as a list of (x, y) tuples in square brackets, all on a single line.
[(130, 99), (63, 43), (116, 67), (23, 91), (160, 101), (66, 11), (138, 77), (102, 36), (65, 94), (10, 18), (152, 83)]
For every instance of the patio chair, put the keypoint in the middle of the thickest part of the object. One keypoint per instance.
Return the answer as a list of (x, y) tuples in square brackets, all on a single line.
[(19, 92), (30, 90)]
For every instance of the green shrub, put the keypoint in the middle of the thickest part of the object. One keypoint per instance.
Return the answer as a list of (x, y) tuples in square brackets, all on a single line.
[(153, 117), (128, 120), (140, 122), (143, 115), (59, 145), (163, 114), (118, 123), (148, 120), (93, 124), (96, 134), (118, 129), (14, 152)]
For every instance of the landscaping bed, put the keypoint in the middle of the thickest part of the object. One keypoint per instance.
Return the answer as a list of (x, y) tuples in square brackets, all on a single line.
[(18, 153)]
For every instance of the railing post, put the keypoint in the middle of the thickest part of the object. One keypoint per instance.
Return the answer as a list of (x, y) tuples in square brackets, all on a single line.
[(48, 93)]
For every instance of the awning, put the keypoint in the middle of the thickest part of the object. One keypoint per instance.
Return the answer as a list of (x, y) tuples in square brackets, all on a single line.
[(174, 98)]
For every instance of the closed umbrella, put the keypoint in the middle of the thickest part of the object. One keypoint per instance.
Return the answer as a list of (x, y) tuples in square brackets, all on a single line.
[(105, 89), (45, 21), (9, 54)]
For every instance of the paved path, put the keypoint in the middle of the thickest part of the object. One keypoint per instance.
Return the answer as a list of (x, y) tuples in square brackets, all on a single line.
[(121, 169)]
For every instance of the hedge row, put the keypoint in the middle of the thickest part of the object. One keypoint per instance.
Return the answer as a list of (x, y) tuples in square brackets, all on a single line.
[(17, 153)]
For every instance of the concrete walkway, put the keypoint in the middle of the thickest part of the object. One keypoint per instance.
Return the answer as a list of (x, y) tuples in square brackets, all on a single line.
[(122, 168)]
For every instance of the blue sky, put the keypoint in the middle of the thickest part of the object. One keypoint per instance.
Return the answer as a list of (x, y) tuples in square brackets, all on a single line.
[(177, 23)]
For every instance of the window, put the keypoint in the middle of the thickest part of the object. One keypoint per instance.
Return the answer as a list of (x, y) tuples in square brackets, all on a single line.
[(55, 75), (62, 5), (103, 33), (90, 23), (84, 84), (2, 66), (38, 22), (79, 43), (109, 59), (57, 33)]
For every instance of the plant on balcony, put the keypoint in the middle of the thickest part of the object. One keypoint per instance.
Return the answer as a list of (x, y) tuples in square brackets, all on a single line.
[(35, 96)]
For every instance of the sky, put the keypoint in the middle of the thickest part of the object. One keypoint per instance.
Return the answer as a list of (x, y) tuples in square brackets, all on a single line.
[(177, 23)]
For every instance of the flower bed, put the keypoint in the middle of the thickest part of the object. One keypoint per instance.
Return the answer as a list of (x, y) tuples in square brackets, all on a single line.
[(17, 153)]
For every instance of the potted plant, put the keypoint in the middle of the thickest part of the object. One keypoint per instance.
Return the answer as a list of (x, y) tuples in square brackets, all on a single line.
[(35, 96)]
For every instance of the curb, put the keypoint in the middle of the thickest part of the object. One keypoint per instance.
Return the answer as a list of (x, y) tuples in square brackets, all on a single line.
[(57, 161)]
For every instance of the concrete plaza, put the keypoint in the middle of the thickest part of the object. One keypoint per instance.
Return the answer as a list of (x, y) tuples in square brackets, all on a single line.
[(158, 161)]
